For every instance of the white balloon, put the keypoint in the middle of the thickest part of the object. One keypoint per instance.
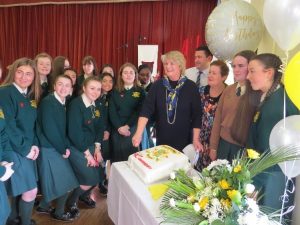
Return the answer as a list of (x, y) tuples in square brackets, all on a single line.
[(233, 26), (282, 19), (287, 133)]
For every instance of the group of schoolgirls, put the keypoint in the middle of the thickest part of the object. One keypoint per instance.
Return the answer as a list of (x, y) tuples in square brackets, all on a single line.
[(53, 136)]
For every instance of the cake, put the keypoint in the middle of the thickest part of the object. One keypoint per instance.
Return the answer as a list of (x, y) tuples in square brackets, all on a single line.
[(157, 163)]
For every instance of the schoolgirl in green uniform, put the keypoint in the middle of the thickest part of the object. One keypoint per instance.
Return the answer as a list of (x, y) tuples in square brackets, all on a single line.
[(70, 72), (5, 172), (44, 65), (89, 69), (85, 131), (55, 172), (107, 83), (265, 75), (19, 99), (125, 104)]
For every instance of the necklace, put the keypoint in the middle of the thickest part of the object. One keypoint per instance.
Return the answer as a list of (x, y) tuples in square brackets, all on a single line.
[(174, 118)]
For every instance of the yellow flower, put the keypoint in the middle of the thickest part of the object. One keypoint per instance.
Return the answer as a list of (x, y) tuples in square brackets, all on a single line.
[(97, 113), (256, 116), (226, 203), (224, 184), (191, 198), (237, 169), (203, 202), (235, 196), (33, 103), (252, 154), (1, 114), (136, 94)]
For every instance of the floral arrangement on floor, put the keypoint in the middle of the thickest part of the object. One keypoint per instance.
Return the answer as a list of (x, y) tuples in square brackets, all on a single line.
[(222, 194)]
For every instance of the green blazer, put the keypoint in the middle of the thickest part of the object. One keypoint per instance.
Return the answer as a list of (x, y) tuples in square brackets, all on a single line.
[(85, 125), (269, 114), (52, 124), (20, 116), (124, 107), (2, 138)]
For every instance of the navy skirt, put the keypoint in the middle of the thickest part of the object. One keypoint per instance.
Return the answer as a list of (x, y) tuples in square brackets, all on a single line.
[(122, 146), (89, 176), (56, 175), (25, 176), (4, 205)]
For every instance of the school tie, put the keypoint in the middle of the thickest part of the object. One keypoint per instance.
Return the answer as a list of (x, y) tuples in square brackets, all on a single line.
[(24, 94), (238, 91), (44, 85), (198, 78)]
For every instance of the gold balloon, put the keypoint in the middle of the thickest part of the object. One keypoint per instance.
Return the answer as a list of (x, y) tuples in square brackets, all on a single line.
[(292, 80), (233, 26)]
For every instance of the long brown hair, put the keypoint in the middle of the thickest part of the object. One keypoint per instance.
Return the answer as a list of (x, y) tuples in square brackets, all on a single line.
[(120, 82), (271, 61), (246, 107), (43, 55), (34, 90), (89, 60)]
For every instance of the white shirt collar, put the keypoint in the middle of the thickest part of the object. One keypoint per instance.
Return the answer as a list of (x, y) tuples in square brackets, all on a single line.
[(243, 88), (204, 71), (44, 81), (128, 87), (146, 85), (59, 99), (20, 89), (86, 101), (86, 76)]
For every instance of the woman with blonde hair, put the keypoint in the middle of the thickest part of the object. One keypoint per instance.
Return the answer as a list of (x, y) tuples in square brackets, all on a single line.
[(20, 96), (174, 102)]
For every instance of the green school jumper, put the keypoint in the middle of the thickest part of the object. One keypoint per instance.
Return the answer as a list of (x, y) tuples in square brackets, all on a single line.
[(103, 103), (85, 127), (55, 172), (124, 109), (78, 86), (4, 205), (20, 117), (270, 113)]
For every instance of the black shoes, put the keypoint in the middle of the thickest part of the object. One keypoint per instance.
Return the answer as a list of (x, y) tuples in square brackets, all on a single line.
[(88, 201), (17, 221), (45, 211), (66, 217), (32, 222), (103, 188), (74, 211)]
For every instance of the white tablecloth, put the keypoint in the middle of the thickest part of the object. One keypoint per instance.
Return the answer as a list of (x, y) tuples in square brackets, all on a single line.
[(129, 201)]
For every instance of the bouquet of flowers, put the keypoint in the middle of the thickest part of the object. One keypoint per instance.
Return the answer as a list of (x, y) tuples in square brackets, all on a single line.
[(222, 193)]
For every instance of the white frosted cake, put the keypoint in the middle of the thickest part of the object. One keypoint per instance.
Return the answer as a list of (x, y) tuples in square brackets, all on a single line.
[(157, 163)]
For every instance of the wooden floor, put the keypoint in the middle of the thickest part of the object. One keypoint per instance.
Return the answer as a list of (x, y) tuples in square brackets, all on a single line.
[(96, 216)]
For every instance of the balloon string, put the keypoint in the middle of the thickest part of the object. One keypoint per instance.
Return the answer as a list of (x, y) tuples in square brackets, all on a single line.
[(285, 198), (285, 61), (273, 47)]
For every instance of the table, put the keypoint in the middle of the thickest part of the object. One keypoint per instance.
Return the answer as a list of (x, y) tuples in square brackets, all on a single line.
[(129, 202)]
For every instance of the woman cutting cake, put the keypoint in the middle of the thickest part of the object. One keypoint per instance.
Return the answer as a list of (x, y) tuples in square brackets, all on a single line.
[(175, 104)]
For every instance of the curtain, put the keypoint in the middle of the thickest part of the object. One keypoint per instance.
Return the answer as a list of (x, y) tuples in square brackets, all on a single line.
[(108, 32), (11, 3)]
